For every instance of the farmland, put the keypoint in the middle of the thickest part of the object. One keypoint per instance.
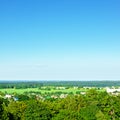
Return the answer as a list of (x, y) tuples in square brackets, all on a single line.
[(51, 87), (44, 91)]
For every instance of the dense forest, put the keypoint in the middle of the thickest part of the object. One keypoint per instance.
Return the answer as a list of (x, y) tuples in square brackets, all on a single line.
[(93, 105)]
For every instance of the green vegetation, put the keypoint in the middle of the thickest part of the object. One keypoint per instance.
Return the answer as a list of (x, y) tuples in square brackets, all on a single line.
[(94, 105), (43, 91), (62, 102)]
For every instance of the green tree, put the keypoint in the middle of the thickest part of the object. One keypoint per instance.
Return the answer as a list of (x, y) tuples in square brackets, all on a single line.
[(3, 112), (66, 115), (37, 111), (89, 112), (16, 110)]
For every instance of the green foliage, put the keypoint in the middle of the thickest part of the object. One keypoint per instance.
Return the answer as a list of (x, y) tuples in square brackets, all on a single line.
[(66, 115), (3, 112), (93, 105), (16, 110), (89, 112), (100, 116), (22, 97), (37, 111)]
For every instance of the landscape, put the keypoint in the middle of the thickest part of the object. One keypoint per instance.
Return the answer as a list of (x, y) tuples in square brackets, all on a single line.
[(59, 100), (59, 59)]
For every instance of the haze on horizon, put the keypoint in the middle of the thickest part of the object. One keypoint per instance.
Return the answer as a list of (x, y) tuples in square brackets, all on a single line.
[(60, 40)]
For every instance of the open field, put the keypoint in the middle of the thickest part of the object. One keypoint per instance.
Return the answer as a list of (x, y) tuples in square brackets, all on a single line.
[(43, 91), (44, 87)]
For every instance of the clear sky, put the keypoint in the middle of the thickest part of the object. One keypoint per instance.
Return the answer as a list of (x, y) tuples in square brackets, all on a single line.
[(60, 39)]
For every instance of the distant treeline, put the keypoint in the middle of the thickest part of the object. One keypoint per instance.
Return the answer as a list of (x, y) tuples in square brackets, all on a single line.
[(38, 84), (20, 85)]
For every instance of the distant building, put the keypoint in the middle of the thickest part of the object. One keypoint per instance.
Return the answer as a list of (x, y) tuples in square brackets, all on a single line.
[(7, 96), (112, 90), (60, 88), (63, 95), (75, 87)]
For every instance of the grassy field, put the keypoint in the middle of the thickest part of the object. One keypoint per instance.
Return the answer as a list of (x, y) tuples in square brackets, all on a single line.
[(19, 91), (42, 91)]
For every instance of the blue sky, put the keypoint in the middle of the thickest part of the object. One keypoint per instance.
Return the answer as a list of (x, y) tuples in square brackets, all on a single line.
[(60, 40)]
